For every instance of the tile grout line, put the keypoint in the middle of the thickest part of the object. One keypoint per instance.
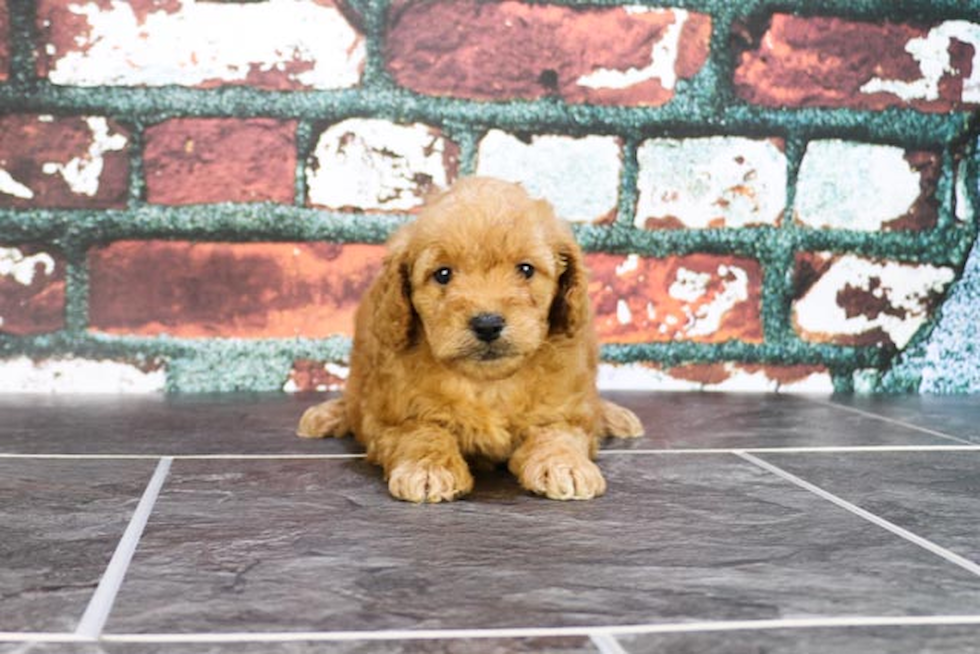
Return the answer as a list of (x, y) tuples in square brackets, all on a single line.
[(607, 643), (501, 632), (972, 447), (938, 550), (893, 421), (97, 612)]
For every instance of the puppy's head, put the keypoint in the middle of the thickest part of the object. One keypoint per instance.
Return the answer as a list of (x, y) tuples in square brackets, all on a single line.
[(486, 276)]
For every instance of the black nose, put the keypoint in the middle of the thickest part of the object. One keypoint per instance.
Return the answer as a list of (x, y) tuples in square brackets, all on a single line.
[(487, 326)]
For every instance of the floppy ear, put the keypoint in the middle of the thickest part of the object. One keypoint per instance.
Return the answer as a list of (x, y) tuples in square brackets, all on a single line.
[(393, 319), (571, 310)]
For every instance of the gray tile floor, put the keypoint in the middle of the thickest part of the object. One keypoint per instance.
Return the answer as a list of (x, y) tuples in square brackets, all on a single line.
[(741, 523)]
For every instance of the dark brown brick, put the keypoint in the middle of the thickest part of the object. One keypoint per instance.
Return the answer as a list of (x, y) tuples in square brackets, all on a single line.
[(503, 50), (32, 289), (246, 290), (831, 62), (201, 160), (845, 299), (699, 297), (62, 162)]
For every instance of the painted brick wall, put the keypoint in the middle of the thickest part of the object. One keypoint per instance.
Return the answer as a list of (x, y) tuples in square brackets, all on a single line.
[(772, 195)]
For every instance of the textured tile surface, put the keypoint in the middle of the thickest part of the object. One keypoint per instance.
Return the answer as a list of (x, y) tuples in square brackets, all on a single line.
[(572, 645), (157, 425), (713, 420), (933, 494), (318, 545), (954, 415), (863, 640), (59, 524)]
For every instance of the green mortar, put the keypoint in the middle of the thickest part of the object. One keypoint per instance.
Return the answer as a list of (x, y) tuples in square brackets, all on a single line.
[(703, 105)]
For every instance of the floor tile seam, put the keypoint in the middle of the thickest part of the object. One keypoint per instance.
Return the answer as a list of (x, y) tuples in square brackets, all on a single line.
[(830, 449), (100, 604), (760, 625), (180, 457), (816, 449), (948, 555), (607, 643), (894, 421)]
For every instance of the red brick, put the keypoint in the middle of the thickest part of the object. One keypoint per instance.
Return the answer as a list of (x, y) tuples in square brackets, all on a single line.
[(699, 297), (62, 162), (308, 376), (826, 62), (200, 160), (503, 50), (4, 40), (246, 290), (32, 289)]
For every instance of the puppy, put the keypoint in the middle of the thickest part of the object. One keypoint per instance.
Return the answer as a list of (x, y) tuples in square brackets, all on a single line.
[(475, 343)]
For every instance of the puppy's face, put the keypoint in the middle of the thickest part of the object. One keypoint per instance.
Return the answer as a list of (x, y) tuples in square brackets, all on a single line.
[(485, 268)]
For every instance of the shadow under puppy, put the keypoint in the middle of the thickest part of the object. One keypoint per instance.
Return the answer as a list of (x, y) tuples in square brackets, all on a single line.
[(475, 343)]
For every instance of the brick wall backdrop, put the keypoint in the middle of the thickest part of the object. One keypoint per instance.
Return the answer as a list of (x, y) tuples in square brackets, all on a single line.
[(773, 195)]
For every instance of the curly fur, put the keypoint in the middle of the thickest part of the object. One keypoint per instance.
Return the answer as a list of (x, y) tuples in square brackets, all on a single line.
[(427, 396)]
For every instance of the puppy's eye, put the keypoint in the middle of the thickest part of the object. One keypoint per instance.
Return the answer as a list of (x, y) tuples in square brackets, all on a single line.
[(526, 269), (443, 275)]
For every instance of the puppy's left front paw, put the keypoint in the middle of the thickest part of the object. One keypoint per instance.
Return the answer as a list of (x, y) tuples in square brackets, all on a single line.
[(562, 477)]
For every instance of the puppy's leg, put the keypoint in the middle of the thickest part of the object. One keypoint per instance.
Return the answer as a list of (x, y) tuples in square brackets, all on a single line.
[(556, 462), (326, 419), (619, 421), (422, 464)]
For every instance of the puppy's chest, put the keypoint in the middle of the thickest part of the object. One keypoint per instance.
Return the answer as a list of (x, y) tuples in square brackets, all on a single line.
[(490, 420)]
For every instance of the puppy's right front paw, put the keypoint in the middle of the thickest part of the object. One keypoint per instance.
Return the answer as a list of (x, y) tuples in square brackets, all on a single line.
[(326, 419), (424, 481)]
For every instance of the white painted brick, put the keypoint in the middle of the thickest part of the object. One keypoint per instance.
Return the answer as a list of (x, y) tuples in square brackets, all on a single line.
[(192, 43), (965, 211), (710, 182), (71, 375), (857, 186), (932, 54), (578, 176), (897, 300), (374, 164), (737, 379)]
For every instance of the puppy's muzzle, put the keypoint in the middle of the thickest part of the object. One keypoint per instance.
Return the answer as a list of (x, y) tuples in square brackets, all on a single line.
[(487, 326)]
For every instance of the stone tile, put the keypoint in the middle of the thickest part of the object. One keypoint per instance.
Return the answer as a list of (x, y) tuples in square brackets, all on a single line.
[(955, 415), (572, 645), (716, 420), (61, 521), (881, 640), (319, 545), (932, 494), (160, 425)]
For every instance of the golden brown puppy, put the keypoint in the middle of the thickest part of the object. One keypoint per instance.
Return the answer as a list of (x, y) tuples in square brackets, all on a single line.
[(475, 343)]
